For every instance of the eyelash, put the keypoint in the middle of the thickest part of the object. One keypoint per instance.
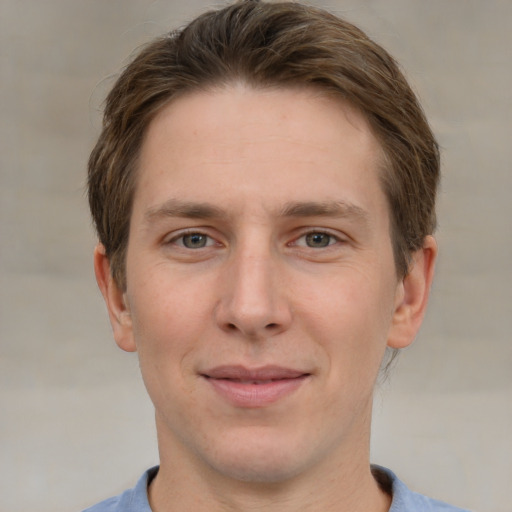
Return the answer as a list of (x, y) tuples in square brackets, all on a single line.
[(178, 240), (333, 239)]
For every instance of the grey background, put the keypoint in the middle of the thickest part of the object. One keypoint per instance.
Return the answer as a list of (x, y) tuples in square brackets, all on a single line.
[(75, 423)]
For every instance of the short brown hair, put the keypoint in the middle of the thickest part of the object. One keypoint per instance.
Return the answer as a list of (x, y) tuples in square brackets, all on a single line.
[(267, 45)]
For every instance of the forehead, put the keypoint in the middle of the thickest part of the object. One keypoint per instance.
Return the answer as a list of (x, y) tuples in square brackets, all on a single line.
[(276, 144), (302, 112)]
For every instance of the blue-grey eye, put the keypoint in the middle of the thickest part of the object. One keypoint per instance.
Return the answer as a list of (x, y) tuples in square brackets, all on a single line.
[(318, 240), (195, 240)]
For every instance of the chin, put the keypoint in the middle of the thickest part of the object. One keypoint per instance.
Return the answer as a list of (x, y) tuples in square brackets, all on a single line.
[(260, 460)]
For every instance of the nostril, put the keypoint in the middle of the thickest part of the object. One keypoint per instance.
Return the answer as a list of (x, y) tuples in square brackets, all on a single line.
[(271, 326)]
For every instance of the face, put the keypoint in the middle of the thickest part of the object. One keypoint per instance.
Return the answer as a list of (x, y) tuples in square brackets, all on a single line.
[(261, 288)]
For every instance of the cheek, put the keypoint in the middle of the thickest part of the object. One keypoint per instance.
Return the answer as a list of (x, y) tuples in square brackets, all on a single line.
[(166, 322), (162, 301), (350, 317), (166, 332)]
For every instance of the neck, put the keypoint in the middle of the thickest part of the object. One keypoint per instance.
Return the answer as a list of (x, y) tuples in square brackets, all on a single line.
[(344, 483), (337, 494)]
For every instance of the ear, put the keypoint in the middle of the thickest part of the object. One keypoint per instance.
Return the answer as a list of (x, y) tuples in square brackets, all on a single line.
[(115, 299), (412, 296)]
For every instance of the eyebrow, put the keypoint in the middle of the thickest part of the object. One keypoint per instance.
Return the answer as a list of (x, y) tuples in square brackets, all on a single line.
[(324, 209), (188, 209), (199, 210)]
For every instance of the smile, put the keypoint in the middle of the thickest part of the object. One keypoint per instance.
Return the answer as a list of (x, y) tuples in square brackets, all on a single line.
[(258, 388)]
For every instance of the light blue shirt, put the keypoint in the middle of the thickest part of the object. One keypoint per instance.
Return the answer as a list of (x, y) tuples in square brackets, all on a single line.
[(404, 500)]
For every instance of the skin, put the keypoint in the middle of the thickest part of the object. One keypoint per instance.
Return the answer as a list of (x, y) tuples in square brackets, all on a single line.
[(260, 235)]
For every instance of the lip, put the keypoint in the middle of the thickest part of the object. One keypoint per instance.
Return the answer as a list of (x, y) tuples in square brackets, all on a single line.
[(254, 388)]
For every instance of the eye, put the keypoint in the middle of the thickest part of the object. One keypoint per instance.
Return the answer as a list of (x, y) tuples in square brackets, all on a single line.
[(194, 241), (316, 240), (319, 240)]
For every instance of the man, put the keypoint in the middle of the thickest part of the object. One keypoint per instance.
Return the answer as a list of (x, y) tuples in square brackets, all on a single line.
[(264, 195)]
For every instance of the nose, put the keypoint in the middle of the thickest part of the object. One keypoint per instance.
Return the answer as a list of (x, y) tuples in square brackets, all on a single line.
[(253, 300)]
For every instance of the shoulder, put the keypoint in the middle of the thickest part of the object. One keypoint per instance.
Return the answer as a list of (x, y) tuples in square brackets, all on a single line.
[(405, 500), (110, 505), (131, 500)]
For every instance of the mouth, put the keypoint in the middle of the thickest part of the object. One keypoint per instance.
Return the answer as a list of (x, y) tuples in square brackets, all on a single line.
[(254, 388)]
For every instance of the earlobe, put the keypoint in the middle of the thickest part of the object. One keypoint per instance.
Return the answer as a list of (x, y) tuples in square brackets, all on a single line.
[(115, 300), (412, 296)]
